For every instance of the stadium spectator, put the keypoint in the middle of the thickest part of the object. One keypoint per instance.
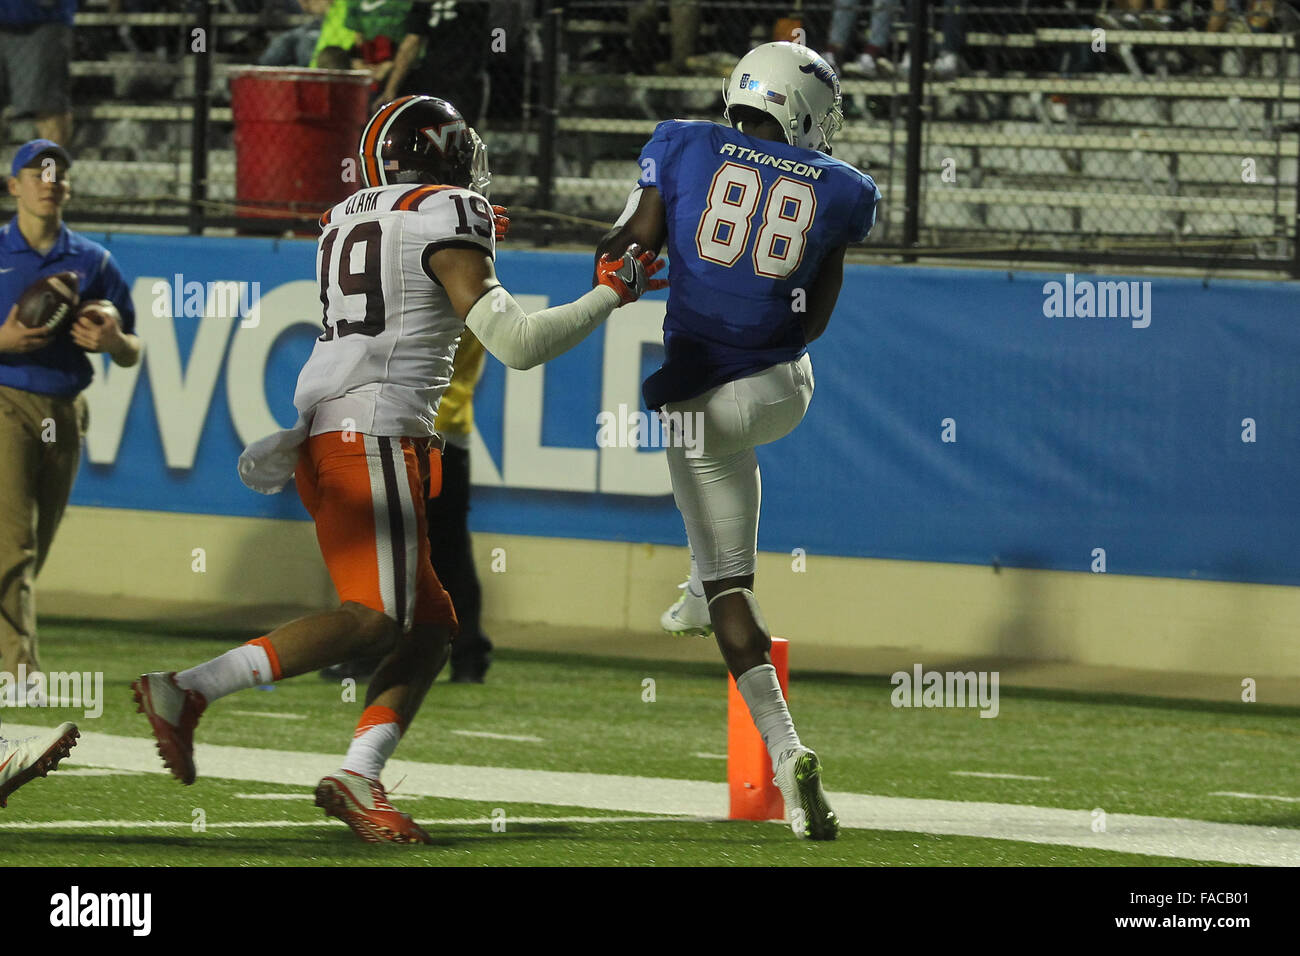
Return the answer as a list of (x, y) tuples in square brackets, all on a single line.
[(444, 52), (335, 37), (872, 61), (379, 25), (1133, 15), (42, 411), (297, 47), (644, 49), (35, 49)]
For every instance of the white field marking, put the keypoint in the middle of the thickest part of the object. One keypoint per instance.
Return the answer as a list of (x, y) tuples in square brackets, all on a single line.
[(279, 824), (525, 738), (1253, 796), (712, 756), (269, 713), (1125, 833), (272, 796), (995, 776), (94, 772)]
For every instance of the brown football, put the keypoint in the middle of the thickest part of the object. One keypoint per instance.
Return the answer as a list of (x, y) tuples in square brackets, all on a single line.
[(49, 302)]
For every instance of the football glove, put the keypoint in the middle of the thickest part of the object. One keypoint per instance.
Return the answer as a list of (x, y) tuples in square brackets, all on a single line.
[(500, 222), (629, 274)]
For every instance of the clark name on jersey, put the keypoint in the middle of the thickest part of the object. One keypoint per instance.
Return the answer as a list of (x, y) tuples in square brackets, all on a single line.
[(385, 355)]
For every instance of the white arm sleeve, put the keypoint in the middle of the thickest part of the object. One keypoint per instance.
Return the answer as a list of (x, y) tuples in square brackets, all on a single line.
[(522, 340)]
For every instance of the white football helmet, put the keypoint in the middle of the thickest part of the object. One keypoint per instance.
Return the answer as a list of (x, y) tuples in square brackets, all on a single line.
[(794, 86)]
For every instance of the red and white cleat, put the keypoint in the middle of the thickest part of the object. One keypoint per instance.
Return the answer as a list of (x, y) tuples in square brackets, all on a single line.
[(362, 804), (22, 761), (173, 714)]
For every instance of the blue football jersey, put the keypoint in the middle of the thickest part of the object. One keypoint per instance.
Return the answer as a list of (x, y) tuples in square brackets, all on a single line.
[(749, 223)]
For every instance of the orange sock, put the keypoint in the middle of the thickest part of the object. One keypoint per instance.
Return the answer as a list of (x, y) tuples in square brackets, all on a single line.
[(375, 715)]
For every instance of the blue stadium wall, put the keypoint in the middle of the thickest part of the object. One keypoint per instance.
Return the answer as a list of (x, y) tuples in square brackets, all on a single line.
[(958, 416)]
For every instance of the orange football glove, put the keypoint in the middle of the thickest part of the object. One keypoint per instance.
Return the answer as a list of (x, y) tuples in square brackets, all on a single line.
[(500, 222), (629, 274)]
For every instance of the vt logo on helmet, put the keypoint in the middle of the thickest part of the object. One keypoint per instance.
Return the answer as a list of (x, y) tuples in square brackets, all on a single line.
[(422, 139), (443, 135), (794, 86)]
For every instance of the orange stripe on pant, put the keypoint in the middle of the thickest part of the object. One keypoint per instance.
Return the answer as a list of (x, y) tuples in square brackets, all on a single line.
[(368, 504)]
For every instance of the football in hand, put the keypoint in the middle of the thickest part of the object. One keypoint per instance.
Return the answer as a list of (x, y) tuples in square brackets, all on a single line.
[(98, 311), (50, 302)]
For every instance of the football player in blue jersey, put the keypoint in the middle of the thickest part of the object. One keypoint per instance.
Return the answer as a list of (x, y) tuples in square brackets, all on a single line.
[(756, 216)]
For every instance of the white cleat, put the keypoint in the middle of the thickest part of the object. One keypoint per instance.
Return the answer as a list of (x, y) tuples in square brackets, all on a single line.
[(799, 777), (22, 761), (689, 616)]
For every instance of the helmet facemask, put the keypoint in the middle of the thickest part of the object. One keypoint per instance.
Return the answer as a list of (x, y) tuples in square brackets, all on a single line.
[(480, 175)]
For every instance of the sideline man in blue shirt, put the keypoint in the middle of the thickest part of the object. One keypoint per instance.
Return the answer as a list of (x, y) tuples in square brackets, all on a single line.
[(35, 55), (42, 411)]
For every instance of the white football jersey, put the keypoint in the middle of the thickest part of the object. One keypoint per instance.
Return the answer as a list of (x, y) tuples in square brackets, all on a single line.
[(385, 356)]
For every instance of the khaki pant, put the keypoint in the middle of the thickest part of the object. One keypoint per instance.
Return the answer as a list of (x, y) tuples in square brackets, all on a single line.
[(40, 449)]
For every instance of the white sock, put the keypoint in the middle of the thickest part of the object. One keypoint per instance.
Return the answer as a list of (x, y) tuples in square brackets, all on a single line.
[(762, 693), (371, 748), (246, 666), (695, 585)]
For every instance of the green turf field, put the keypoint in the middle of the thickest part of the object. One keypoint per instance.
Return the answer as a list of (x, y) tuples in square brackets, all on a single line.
[(1126, 755)]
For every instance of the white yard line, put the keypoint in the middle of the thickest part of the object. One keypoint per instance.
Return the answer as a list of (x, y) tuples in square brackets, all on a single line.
[(704, 756), (1125, 833), (995, 776), (1253, 796), (272, 796), (69, 770), (280, 824), (523, 738), (269, 713)]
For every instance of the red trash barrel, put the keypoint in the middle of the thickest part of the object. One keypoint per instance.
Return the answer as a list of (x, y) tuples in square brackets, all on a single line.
[(294, 130)]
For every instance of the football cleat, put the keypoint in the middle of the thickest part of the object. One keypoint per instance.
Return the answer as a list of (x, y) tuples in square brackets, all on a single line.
[(799, 777), (173, 714), (22, 761), (362, 804), (689, 616)]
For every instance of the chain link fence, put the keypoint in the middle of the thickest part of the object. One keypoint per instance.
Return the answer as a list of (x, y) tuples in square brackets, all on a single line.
[(1138, 131)]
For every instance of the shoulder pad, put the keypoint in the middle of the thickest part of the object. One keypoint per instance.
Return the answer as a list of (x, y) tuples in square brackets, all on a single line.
[(448, 213)]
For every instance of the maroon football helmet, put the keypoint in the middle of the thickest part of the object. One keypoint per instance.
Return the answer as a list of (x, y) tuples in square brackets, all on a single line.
[(422, 139)]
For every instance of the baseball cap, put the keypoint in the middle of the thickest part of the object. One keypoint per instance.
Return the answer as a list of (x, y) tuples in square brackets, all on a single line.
[(28, 153)]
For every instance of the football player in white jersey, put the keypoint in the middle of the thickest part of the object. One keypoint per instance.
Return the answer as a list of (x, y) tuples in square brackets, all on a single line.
[(404, 266)]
